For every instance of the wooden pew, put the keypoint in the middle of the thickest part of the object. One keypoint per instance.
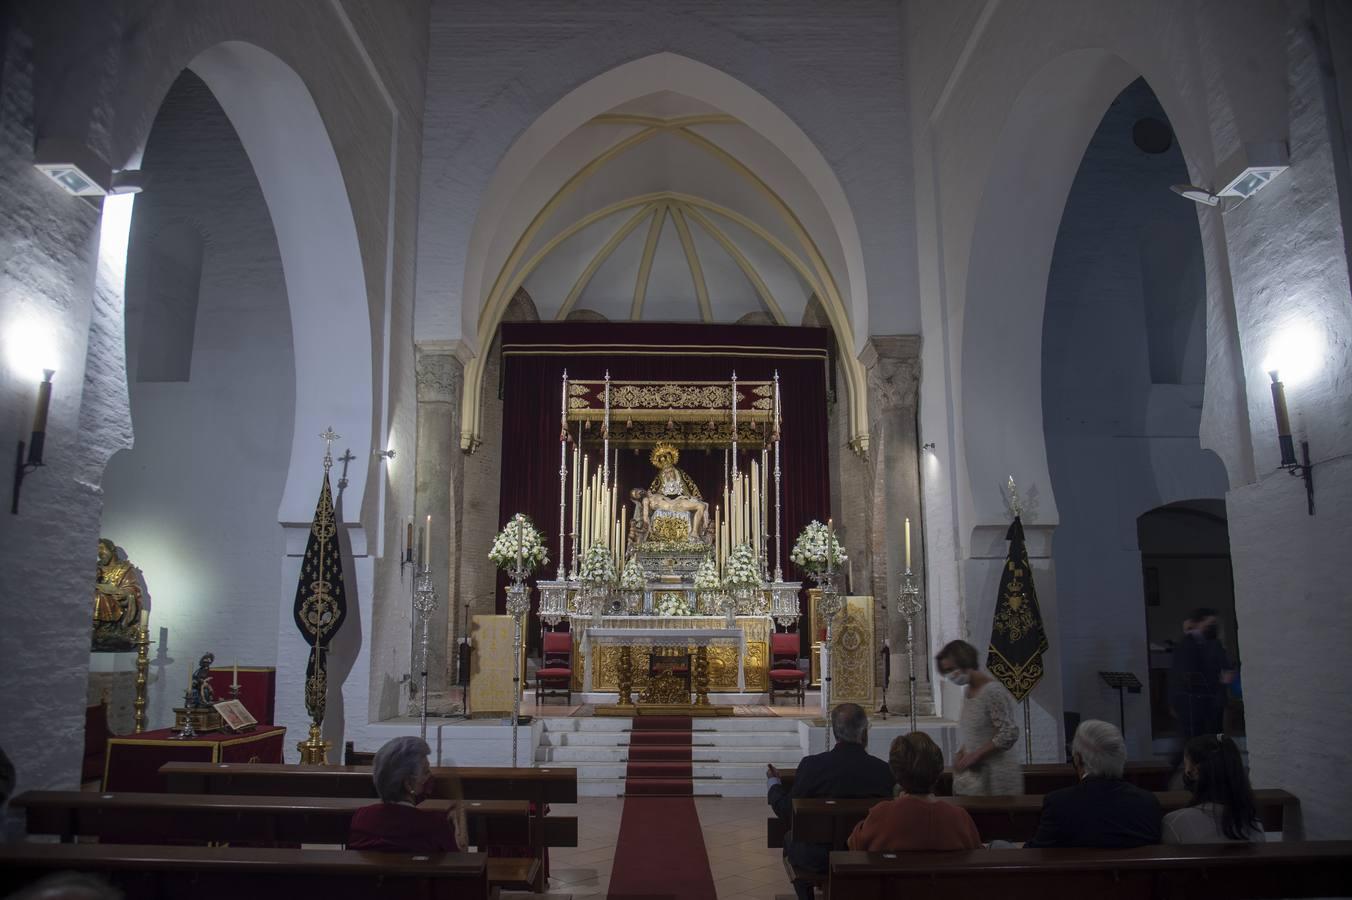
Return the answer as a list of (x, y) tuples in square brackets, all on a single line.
[(539, 786), (1043, 778), (1012, 818), (1232, 871), (132, 818), (227, 873)]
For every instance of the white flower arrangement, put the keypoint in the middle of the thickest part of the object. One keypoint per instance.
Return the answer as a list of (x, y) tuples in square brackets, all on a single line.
[(633, 578), (598, 567), (706, 577), (811, 550), (673, 604), (519, 534), (743, 571)]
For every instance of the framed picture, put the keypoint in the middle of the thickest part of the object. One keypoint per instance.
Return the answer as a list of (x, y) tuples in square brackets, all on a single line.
[(234, 715)]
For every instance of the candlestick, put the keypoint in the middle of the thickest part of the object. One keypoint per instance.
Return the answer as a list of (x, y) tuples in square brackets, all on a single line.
[(908, 543)]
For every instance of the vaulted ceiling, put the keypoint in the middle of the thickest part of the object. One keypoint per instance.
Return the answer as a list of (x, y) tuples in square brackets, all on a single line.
[(669, 215)]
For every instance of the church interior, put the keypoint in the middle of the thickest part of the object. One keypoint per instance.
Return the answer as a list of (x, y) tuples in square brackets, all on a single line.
[(560, 433)]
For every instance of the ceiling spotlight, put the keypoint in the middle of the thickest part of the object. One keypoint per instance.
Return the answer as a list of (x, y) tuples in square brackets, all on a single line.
[(1195, 194)]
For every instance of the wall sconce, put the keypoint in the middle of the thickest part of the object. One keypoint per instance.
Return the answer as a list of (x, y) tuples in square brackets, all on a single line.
[(1301, 469), (384, 454), (929, 446), (22, 465)]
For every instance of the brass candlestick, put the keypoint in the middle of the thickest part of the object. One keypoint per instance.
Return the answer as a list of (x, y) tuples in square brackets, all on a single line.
[(142, 675)]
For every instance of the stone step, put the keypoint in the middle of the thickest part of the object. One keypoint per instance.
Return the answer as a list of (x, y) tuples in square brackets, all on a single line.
[(780, 756), (721, 739), (556, 724)]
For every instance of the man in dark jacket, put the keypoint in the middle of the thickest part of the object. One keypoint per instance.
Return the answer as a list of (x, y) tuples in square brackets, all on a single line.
[(1198, 676), (1102, 810), (845, 771)]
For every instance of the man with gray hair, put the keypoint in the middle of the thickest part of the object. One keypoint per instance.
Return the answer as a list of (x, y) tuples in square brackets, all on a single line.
[(847, 770), (1102, 810)]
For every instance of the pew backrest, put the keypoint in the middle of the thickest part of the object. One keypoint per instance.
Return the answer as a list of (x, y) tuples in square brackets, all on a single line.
[(1043, 778), (209, 873), (1231, 871), (1010, 818), (146, 818)]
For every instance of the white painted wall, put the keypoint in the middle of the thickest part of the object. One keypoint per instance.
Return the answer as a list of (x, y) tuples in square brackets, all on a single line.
[(1119, 444), (174, 502)]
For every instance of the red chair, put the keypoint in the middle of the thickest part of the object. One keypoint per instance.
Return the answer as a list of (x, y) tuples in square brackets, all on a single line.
[(784, 671), (555, 675)]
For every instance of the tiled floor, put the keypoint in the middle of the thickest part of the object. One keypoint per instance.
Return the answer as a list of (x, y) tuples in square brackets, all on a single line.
[(734, 836)]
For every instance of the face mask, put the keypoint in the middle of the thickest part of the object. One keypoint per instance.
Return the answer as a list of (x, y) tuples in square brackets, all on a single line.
[(961, 679)]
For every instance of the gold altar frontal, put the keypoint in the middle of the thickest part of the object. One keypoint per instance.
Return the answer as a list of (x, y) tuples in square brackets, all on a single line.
[(722, 660)]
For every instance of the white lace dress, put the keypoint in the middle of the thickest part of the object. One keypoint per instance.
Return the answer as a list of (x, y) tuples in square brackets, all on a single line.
[(990, 716)]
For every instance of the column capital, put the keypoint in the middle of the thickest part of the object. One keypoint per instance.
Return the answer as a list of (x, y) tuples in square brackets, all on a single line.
[(438, 371), (893, 364)]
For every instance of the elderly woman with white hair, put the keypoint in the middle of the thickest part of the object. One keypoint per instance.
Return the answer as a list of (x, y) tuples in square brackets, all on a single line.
[(402, 774), (1102, 810)]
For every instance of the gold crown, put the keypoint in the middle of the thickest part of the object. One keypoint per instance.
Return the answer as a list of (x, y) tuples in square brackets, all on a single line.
[(664, 455)]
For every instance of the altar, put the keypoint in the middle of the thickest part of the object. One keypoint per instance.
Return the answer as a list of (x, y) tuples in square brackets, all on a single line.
[(737, 657)]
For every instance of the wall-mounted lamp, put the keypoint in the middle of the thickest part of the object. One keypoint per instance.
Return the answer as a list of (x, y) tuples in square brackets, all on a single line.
[(384, 454), (929, 446), (22, 465), (1288, 445)]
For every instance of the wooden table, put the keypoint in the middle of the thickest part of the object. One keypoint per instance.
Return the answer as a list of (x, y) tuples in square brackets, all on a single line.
[(133, 763)]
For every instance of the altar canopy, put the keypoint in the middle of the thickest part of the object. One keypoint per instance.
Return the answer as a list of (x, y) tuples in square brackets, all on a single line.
[(535, 356)]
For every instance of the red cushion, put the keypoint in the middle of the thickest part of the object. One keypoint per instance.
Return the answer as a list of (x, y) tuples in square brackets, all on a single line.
[(786, 674), (553, 673)]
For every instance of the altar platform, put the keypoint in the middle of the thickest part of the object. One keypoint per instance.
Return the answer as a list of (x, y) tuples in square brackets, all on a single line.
[(729, 753)]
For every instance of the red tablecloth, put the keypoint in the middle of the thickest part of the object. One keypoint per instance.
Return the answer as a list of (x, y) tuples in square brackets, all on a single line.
[(133, 763)]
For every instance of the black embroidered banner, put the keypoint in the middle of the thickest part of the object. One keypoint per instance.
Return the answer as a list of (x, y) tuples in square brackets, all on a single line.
[(1018, 639), (321, 602)]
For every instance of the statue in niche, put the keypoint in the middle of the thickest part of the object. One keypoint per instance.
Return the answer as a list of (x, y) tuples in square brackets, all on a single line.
[(117, 602), (671, 509)]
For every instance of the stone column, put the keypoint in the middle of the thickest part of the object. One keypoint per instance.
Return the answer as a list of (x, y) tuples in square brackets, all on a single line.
[(439, 480), (893, 364)]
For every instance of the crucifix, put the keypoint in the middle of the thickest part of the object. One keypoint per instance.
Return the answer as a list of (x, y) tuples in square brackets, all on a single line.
[(346, 458), (328, 436)]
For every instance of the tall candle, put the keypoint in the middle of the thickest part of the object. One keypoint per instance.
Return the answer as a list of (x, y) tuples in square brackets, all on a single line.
[(520, 541), (427, 544), (145, 619), (234, 681), (908, 543), (830, 544), (408, 539)]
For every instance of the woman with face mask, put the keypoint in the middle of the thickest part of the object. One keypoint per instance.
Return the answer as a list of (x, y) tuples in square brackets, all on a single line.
[(985, 763), (1222, 808), (403, 779)]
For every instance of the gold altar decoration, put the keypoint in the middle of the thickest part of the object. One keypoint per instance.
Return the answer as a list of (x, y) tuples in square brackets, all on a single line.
[(666, 688), (204, 719), (722, 660), (490, 682), (142, 673), (690, 413), (852, 656)]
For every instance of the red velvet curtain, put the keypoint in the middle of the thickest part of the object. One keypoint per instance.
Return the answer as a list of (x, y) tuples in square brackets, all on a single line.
[(536, 354)]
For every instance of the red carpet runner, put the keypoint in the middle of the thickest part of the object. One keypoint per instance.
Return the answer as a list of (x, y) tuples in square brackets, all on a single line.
[(660, 851)]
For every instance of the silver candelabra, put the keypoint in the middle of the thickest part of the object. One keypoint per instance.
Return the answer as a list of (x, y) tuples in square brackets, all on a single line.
[(424, 603), (518, 606), (909, 605), (829, 606)]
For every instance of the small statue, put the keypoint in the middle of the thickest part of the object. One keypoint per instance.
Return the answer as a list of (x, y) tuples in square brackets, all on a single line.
[(201, 694), (117, 602)]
